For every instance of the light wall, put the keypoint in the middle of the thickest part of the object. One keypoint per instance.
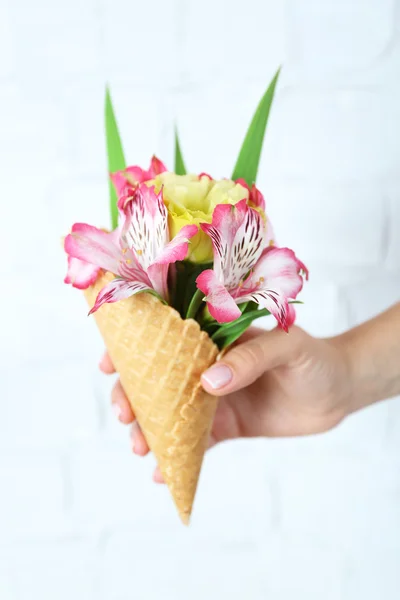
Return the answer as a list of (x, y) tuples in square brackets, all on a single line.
[(310, 519)]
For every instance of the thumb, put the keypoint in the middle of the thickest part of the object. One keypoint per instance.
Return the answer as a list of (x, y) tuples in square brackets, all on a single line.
[(245, 363)]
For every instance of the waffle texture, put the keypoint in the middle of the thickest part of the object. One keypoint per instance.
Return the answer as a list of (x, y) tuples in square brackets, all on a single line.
[(160, 358)]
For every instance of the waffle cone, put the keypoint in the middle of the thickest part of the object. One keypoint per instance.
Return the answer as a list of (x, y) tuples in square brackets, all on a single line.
[(160, 358)]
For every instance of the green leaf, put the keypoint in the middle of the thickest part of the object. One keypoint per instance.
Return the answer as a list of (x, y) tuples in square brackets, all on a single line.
[(195, 304), (229, 333), (184, 286), (115, 153), (248, 306), (180, 168), (249, 157), (209, 327), (155, 294)]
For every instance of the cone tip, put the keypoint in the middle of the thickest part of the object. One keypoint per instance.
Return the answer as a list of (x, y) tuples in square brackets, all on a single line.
[(185, 518)]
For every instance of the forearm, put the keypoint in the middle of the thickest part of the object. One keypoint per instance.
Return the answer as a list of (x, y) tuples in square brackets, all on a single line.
[(373, 351)]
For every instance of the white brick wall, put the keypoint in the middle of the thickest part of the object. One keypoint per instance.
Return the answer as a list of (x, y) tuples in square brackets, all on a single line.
[(79, 516)]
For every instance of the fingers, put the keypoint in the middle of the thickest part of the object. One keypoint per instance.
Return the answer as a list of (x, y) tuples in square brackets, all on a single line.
[(106, 365), (247, 361), (124, 413), (157, 477), (120, 404), (138, 441)]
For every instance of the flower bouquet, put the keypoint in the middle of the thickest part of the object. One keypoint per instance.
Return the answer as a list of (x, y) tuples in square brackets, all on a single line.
[(188, 264)]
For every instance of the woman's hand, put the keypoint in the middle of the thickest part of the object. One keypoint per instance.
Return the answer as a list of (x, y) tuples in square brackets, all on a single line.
[(277, 384), (269, 384)]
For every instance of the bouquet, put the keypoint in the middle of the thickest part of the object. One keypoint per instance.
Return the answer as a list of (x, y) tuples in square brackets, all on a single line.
[(188, 264)]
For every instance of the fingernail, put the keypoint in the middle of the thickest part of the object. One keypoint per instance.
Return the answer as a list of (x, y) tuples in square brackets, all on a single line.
[(117, 410), (218, 376)]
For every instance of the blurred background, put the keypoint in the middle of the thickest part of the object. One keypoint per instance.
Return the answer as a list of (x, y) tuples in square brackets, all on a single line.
[(279, 519)]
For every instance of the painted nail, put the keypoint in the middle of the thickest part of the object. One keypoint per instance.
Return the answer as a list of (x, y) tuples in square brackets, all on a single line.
[(218, 376), (117, 410)]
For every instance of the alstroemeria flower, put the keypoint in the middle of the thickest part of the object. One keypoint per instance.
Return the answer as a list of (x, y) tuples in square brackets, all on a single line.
[(244, 270), (256, 200), (82, 274), (127, 181), (139, 255)]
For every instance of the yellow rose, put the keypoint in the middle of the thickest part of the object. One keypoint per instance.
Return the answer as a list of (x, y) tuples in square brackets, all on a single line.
[(191, 199)]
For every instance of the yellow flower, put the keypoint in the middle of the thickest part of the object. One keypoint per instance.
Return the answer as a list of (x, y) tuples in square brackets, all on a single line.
[(191, 199)]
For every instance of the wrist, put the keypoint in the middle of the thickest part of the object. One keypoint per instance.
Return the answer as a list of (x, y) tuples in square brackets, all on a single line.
[(350, 376), (360, 391), (372, 354)]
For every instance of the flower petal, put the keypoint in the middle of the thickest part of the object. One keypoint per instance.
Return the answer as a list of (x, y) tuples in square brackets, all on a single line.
[(177, 249), (278, 269), (121, 184), (126, 183), (156, 167), (256, 198), (94, 246), (275, 278), (127, 180), (237, 233), (269, 235), (243, 183), (220, 303), (118, 289), (81, 274), (135, 175), (273, 301), (291, 316), (145, 230)]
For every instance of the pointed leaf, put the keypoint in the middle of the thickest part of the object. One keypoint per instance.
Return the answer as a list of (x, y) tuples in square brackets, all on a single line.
[(226, 334), (229, 333), (249, 157), (115, 153), (184, 287), (195, 304), (180, 168)]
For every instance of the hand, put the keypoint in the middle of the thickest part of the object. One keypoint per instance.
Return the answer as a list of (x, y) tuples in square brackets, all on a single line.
[(124, 413), (270, 384)]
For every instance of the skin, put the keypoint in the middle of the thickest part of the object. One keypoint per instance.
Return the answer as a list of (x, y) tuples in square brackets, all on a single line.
[(292, 384)]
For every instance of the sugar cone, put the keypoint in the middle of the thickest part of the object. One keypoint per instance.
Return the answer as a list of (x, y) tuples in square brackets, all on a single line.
[(160, 358)]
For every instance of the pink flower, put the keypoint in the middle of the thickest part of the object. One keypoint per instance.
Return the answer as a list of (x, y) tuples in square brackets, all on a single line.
[(126, 181), (244, 270), (291, 316), (139, 255), (255, 196), (82, 274), (256, 200)]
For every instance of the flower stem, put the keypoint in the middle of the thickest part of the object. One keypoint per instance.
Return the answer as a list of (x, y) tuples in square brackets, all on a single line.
[(195, 304)]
